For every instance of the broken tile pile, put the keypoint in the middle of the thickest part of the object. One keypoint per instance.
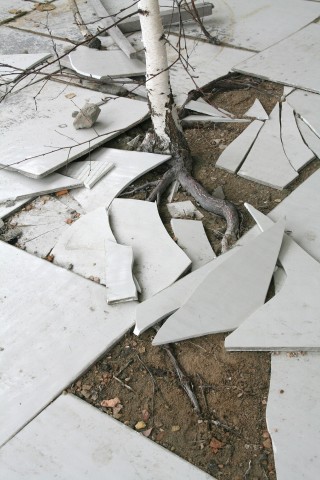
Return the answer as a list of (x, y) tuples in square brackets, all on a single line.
[(117, 253)]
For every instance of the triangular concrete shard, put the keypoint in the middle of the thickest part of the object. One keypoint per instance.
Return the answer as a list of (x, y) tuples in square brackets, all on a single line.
[(105, 63), (81, 247), (266, 162), (290, 320), (192, 238), (310, 138), (257, 111), (293, 412), (307, 105), (72, 439), (245, 277), (204, 107), (235, 153), (119, 281), (294, 147), (169, 300), (158, 260)]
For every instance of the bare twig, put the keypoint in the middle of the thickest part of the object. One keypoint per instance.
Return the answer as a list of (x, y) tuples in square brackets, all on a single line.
[(85, 32), (122, 383)]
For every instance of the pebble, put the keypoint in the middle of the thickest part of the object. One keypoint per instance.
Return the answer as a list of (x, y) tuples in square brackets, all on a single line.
[(87, 116)]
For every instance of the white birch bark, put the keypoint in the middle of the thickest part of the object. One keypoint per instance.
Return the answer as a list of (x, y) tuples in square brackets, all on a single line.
[(157, 73)]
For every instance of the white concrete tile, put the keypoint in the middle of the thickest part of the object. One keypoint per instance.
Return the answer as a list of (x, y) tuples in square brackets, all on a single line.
[(287, 90), (62, 324), (119, 280), (307, 105), (289, 321), (93, 172), (266, 162), (222, 59), (12, 66), (13, 41), (25, 150), (299, 209), (293, 412), (294, 147), (43, 225), (183, 210), (158, 261), (293, 61), (128, 167), (81, 246), (192, 238), (232, 157), (72, 439), (14, 186), (7, 209), (105, 63), (257, 111), (242, 24), (204, 107), (59, 22), (191, 119), (244, 277), (9, 10), (310, 138)]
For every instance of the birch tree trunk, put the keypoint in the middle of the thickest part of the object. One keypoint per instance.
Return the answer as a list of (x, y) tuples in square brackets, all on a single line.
[(168, 132)]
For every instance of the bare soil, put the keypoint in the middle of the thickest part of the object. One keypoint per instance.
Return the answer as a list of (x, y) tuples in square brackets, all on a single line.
[(229, 439)]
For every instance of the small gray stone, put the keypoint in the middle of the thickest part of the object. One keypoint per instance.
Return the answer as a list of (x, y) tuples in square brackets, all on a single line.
[(87, 116)]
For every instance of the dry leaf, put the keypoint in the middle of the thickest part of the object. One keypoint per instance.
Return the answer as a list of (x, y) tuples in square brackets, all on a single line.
[(111, 403), (62, 192), (70, 95), (44, 7), (215, 445), (175, 428), (15, 11), (145, 415), (140, 425)]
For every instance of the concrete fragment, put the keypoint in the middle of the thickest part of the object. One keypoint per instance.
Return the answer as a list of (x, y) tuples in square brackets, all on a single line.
[(87, 116)]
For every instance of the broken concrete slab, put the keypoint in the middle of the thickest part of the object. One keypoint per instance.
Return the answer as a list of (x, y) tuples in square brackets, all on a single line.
[(294, 147), (105, 63), (119, 280), (55, 23), (42, 224), (222, 59), (204, 107), (306, 105), (71, 438), (14, 186), (266, 162), (241, 24), (293, 411), (8, 208), (81, 246), (289, 321), (38, 155), (192, 238), (291, 61), (12, 66), (62, 332), (309, 137), (93, 172), (16, 8), (257, 111), (194, 119), (128, 166), (245, 276), (233, 156), (158, 260), (13, 41), (184, 209)]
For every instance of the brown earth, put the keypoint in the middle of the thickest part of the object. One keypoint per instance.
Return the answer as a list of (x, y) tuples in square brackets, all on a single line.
[(229, 439)]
